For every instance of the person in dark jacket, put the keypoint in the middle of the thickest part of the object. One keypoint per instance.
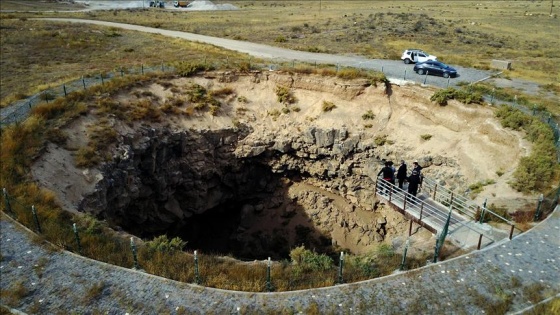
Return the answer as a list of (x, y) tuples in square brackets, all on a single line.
[(401, 174), (387, 173), (392, 166), (416, 167), (413, 182)]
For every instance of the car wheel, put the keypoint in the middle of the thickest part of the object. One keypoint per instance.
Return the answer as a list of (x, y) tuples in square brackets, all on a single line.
[(446, 75), (407, 61), (420, 71)]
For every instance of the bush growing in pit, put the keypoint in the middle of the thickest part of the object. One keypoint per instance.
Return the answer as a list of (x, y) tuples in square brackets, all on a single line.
[(369, 115), (284, 95), (328, 106)]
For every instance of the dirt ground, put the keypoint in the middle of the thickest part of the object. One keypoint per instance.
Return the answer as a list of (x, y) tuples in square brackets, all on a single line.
[(467, 145)]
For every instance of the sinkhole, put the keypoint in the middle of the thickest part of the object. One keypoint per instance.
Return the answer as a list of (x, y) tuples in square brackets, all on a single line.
[(197, 186)]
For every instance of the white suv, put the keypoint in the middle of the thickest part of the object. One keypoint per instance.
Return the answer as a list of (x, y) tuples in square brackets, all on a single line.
[(416, 55)]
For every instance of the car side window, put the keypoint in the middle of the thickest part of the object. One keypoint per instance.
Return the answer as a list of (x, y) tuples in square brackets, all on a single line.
[(421, 55)]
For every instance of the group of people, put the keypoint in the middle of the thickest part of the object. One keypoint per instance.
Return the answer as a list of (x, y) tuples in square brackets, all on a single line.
[(389, 174)]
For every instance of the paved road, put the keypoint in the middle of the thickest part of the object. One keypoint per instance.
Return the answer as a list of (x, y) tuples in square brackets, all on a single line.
[(522, 270), (394, 69)]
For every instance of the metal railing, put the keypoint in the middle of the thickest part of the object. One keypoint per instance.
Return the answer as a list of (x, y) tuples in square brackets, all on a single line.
[(460, 203), (425, 213), (434, 216)]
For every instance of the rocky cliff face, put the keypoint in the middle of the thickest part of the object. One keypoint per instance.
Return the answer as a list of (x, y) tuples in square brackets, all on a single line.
[(182, 183)]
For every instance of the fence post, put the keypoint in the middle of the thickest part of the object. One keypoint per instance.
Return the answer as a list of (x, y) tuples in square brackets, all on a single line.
[(410, 227), (75, 228), (479, 242), (425, 77), (340, 266), (492, 96), (46, 96), (404, 75), (64, 88), (448, 81), (482, 213), (122, 72), (404, 254), (511, 231), (36, 219), (84, 82), (534, 109), (382, 69), (102, 81), (405, 199), (196, 275), (441, 239), (435, 189), (142, 67), (133, 248), (7, 200), (268, 282), (538, 211)]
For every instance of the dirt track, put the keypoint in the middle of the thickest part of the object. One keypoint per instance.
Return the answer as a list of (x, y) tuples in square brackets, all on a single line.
[(394, 69)]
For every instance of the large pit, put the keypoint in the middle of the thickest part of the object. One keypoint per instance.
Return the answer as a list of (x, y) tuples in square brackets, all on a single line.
[(257, 177)]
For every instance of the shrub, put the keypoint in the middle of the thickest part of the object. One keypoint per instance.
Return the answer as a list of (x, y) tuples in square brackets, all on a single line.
[(328, 106), (535, 171), (426, 137), (163, 244), (196, 93), (214, 110), (280, 39), (186, 69), (285, 110), (369, 115), (274, 113), (350, 73), (242, 99), (225, 91), (380, 140), (310, 261), (284, 95), (442, 96), (87, 157), (56, 136)]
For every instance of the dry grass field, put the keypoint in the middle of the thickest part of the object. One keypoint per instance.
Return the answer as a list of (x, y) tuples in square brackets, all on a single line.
[(465, 33)]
